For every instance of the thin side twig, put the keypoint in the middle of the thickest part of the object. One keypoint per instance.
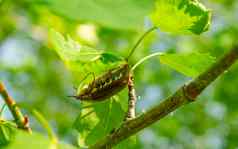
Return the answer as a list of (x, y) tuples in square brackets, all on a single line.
[(131, 113), (21, 121), (184, 95)]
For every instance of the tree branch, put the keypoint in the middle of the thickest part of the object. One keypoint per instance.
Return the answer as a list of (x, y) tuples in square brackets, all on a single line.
[(184, 95), (21, 121)]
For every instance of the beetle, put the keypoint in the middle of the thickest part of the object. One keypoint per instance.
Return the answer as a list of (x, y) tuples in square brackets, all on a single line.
[(106, 85), (111, 82)]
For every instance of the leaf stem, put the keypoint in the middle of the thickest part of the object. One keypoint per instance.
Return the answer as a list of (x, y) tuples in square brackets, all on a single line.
[(139, 41), (45, 124), (144, 59), (21, 121)]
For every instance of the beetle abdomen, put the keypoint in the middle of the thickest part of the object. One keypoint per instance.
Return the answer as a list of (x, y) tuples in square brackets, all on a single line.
[(106, 85)]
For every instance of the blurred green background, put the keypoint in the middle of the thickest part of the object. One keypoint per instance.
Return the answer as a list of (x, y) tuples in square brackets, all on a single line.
[(38, 79)]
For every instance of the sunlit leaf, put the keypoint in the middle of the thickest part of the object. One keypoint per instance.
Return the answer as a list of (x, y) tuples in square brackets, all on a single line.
[(181, 16), (189, 64), (81, 59), (70, 50)]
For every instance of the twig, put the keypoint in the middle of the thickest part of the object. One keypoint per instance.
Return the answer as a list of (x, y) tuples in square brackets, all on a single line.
[(131, 113), (184, 95), (21, 121)]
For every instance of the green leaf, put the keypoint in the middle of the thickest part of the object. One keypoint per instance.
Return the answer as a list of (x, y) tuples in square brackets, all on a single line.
[(12, 138), (105, 117), (70, 50), (24, 140), (81, 59), (119, 14), (181, 16), (189, 64), (7, 131)]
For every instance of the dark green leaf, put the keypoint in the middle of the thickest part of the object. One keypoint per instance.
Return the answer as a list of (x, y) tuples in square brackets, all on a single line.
[(7, 131)]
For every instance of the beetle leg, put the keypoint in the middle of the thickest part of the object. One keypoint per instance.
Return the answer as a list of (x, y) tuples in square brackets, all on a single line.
[(93, 83), (87, 114), (86, 107)]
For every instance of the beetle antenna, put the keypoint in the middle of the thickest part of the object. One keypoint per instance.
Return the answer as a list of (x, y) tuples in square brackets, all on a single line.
[(90, 73), (72, 96)]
